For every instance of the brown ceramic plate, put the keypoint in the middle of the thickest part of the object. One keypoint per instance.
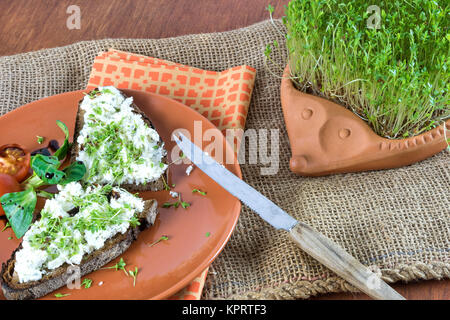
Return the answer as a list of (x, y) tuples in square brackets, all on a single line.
[(196, 235)]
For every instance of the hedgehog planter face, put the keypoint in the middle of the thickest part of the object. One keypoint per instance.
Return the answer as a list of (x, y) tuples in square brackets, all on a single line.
[(327, 138)]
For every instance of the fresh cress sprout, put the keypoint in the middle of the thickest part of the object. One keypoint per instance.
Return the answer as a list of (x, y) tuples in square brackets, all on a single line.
[(394, 74), (162, 238), (119, 266), (19, 206), (134, 275), (87, 283), (176, 204), (203, 193)]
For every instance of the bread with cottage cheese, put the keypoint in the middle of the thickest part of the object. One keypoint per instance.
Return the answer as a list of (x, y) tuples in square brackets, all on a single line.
[(14, 289), (152, 184)]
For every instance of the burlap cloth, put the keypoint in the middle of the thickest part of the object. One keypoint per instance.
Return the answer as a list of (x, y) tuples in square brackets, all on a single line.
[(394, 221)]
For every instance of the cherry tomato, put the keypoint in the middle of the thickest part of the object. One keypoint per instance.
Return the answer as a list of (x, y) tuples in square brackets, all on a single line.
[(7, 184), (15, 161)]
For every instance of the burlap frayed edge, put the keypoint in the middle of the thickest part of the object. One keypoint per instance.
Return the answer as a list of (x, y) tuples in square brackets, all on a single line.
[(304, 289)]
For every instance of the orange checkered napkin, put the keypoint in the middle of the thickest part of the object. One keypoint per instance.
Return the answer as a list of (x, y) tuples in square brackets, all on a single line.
[(222, 97)]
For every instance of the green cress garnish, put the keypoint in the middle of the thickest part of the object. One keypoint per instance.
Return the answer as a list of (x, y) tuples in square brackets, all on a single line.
[(87, 283), (203, 193), (162, 238), (177, 203), (119, 266), (7, 225), (117, 142), (134, 275)]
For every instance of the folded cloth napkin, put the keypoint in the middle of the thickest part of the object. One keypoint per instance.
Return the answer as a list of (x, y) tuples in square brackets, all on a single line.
[(222, 97)]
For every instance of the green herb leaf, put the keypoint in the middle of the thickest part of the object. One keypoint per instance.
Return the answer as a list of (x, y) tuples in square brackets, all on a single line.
[(7, 225), (203, 193), (119, 266), (168, 204), (268, 51), (60, 295), (176, 204), (185, 205), (93, 93), (45, 194), (86, 283), (74, 172), (40, 139), (163, 238), (134, 275), (63, 150), (19, 207), (208, 234), (46, 168)]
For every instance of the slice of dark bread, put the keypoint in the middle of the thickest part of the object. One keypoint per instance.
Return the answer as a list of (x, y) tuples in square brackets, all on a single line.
[(151, 186), (114, 247)]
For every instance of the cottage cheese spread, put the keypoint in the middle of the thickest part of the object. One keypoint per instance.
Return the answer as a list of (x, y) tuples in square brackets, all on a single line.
[(116, 145), (61, 236)]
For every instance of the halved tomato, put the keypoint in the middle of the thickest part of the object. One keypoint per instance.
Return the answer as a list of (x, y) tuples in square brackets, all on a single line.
[(7, 185), (15, 161)]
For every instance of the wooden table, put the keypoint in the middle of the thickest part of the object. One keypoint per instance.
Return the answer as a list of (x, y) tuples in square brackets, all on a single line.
[(32, 25)]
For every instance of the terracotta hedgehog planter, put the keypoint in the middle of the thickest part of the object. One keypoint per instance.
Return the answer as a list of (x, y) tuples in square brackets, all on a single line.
[(327, 138)]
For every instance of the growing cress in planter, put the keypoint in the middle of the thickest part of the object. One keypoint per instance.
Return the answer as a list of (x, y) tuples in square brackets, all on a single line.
[(395, 77)]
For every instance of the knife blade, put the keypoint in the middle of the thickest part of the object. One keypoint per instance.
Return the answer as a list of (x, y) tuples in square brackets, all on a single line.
[(311, 241)]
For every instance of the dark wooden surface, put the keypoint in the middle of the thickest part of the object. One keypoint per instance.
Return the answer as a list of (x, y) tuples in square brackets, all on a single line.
[(32, 25)]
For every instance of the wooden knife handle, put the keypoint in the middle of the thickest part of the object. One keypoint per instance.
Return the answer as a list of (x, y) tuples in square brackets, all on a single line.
[(335, 258)]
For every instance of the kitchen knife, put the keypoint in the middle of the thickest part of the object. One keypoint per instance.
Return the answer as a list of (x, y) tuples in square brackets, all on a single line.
[(311, 241)]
